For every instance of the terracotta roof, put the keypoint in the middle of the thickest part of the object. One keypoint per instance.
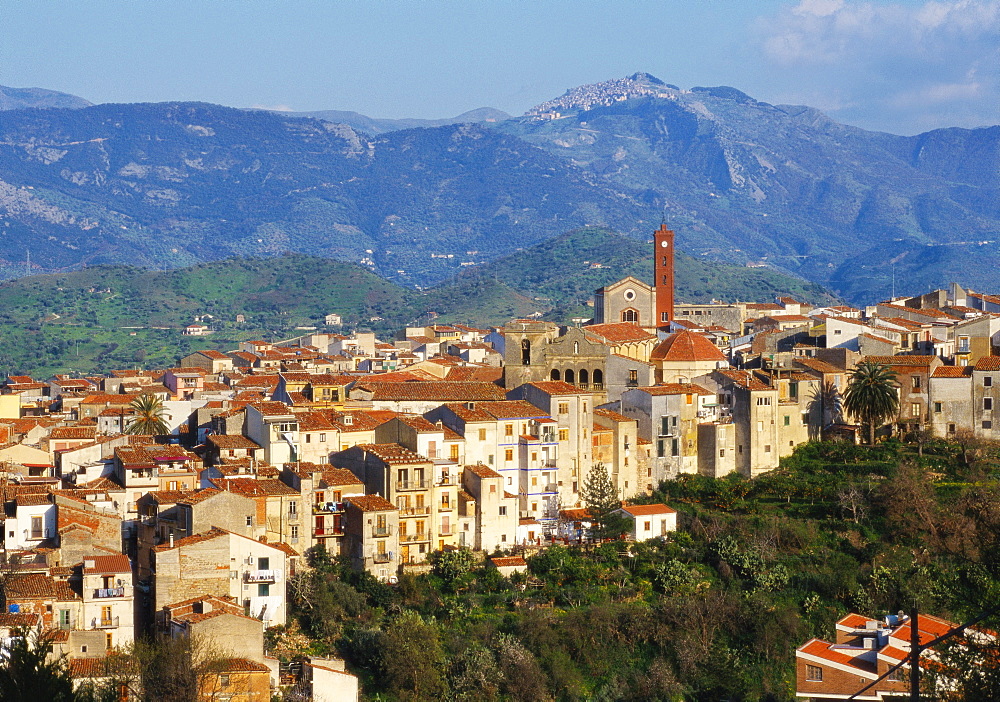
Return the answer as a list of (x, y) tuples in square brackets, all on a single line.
[(644, 510), (371, 503), (241, 665), (213, 354), (763, 306), (558, 387), (73, 433), (686, 346), (232, 441), (828, 651), (620, 332), (89, 668), (676, 389), (745, 379), (272, 409), (612, 415), (165, 497), (107, 564), (988, 363), (508, 561), (483, 471), (901, 360), (953, 372), (818, 365), (253, 487), (436, 391)]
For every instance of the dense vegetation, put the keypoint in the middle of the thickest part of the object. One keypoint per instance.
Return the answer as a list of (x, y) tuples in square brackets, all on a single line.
[(105, 317), (713, 612)]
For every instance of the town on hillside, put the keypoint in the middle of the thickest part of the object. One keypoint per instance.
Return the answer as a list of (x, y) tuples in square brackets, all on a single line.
[(185, 500)]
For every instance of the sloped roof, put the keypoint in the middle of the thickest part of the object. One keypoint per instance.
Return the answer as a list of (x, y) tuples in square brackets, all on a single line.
[(118, 563), (686, 346), (620, 332), (988, 363), (371, 503), (436, 391), (952, 372)]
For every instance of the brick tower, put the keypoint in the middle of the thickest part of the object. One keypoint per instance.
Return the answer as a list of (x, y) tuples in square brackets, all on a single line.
[(663, 281)]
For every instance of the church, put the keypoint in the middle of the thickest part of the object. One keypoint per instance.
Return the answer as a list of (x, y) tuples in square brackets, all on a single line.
[(651, 307)]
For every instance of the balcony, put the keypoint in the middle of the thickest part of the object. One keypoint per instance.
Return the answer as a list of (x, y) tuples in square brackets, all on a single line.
[(329, 507), (597, 386), (446, 480), (382, 557), (412, 484), (104, 623), (328, 531), (379, 532), (261, 576), (411, 538), (446, 531), (103, 592), (446, 508), (552, 487), (414, 511)]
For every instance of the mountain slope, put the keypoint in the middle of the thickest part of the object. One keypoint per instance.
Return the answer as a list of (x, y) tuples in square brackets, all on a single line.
[(376, 125), (741, 181), (27, 98)]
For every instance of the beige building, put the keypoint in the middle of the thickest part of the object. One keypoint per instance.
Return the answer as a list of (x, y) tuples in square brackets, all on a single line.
[(372, 524), (108, 598), (685, 355), (495, 514)]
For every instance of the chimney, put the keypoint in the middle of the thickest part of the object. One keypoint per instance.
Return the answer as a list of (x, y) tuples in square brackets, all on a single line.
[(171, 538), (663, 282)]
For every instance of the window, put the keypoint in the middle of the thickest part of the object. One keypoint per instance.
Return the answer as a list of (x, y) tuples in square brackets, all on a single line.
[(659, 448), (508, 430), (814, 673), (630, 315), (896, 675), (264, 563), (36, 528), (951, 428), (793, 390), (109, 640), (563, 434), (937, 407), (633, 377), (805, 418), (675, 448), (760, 426), (647, 526), (295, 532), (322, 438), (482, 435), (263, 590), (563, 408), (534, 481), (914, 409), (249, 520), (688, 398), (915, 380), (293, 508), (503, 511), (763, 401), (987, 404), (453, 452), (508, 454), (224, 680), (722, 453), (788, 421), (987, 424), (767, 448), (988, 381)]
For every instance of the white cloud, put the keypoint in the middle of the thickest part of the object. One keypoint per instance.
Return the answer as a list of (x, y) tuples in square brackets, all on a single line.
[(896, 66), (272, 108)]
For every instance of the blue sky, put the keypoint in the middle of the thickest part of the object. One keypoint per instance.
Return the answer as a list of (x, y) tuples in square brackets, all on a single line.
[(903, 66)]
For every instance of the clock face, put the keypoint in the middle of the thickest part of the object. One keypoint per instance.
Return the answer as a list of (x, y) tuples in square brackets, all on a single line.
[(664, 244)]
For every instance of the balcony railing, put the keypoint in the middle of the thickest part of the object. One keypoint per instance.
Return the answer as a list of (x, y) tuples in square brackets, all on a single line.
[(446, 508), (552, 487), (419, 536), (381, 558), (104, 622), (102, 592), (381, 531), (261, 576), (414, 511), (328, 531), (597, 386), (445, 480), (412, 484)]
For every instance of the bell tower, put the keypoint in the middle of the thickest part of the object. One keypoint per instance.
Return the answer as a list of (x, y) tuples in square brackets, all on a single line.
[(663, 283)]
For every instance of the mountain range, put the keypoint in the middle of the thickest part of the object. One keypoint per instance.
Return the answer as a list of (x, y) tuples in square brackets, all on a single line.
[(741, 181)]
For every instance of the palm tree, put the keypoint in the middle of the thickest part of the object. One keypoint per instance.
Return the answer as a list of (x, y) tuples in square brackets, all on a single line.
[(148, 417), (827, 402), (871, 395)]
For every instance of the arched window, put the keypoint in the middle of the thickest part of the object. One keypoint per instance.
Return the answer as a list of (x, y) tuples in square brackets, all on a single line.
[(554, 374), (569, 377), (630, 315), (576, 347), (525, 352), (584, 377), (598, 379)]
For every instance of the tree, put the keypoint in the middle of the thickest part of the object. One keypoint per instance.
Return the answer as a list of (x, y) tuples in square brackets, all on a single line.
[(827, 403), (27, 674), (148, 417), (601, 497), (871, 396)]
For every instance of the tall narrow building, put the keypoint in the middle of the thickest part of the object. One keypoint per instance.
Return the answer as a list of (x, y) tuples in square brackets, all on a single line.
[(663, 281)]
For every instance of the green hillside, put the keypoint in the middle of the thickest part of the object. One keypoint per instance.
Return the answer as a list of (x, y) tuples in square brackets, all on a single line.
[(105, 317)]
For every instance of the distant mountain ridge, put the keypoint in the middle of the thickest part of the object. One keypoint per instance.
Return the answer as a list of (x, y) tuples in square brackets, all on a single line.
[(741, 181), (375, 125), (24, 98)]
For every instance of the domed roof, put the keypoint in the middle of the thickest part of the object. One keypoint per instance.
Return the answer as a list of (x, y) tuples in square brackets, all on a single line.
[(686, 346)]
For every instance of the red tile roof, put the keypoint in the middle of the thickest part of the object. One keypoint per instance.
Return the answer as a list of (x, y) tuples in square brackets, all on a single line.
[(676, 389), (988, 363), (371, 503), (435, 391), (620, 332), (645, 510), (558, 387), (952, 372), (483, 471), (901, 360), (686, 346), (118, 563)]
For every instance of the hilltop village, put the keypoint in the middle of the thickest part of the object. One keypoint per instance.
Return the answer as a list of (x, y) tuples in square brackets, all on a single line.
[(384, 451)]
